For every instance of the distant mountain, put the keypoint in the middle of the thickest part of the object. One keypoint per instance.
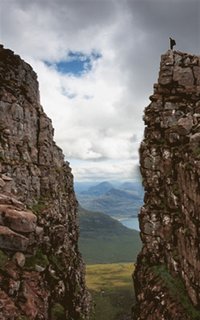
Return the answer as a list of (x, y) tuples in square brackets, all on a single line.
[(121, 194), (81, 186), (99, 189), (115, 202), (134, 187), (105, 240), (94, 224)]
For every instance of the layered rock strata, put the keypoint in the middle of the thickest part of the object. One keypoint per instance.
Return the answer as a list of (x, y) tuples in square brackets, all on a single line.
[(167, 277), (41, 270)]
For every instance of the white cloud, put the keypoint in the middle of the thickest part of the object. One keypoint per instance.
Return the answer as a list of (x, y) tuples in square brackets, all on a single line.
[(99, 127), (96, 116), (105, 170)]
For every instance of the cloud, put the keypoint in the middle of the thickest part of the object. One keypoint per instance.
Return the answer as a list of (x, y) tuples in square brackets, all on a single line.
[(105, 170), (98, 115)]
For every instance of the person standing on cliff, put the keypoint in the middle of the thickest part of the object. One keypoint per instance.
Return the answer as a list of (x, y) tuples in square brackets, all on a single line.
[(172, 43)]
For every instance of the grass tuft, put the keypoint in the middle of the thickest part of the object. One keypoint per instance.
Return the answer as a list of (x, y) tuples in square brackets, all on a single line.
[(38, 259)]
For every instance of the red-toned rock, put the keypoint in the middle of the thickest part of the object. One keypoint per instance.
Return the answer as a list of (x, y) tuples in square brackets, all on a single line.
[(8, 310), (10, 200), (34, 296), (17, 220), (11, 240), (167, 276), (37, 201)]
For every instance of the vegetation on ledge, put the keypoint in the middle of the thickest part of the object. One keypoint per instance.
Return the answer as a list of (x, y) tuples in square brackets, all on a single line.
[(3, 259), (177, 289)]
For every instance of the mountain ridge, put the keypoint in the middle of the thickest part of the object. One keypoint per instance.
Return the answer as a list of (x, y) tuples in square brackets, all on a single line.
[(98, 189), (105, 240), (107, 198)]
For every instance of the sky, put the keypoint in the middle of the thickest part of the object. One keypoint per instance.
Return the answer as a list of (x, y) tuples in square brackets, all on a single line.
[(97, 61)]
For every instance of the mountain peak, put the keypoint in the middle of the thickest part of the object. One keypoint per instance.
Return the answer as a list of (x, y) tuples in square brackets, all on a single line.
[(100, 188)]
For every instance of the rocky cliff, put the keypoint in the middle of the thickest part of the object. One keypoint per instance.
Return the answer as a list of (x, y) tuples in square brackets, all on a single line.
[(167, 277), (41, 271)]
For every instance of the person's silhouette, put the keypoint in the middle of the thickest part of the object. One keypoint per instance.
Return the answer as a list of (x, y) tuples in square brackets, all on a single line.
[(172, 43)]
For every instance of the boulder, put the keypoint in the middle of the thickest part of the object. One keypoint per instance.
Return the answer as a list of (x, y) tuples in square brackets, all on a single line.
[(19, 258), (18, 220), (11, 240)]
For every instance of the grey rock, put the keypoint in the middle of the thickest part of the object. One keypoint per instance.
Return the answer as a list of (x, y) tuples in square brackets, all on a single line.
[(184, 76), (6, 178), (195, 138), (11, 240), (197, 74), (2, 183), (169, 219), (19, 258), (185, 125), (37, 177)]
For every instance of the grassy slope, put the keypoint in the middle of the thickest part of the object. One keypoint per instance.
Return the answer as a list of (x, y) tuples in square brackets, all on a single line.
[(114, 203), (105, 240), (112, 290)]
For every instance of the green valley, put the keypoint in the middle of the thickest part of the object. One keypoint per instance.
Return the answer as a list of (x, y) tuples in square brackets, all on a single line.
[(109, 250), (112, 290), (105, 240)]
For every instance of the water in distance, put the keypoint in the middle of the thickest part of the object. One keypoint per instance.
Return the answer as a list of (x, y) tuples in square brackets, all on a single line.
[(131, 223)]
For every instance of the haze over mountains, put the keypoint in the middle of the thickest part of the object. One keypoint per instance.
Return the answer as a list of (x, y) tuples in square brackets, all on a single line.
[(118, 200)]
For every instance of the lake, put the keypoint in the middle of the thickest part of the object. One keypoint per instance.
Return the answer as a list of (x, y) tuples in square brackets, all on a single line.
[(131, 223)]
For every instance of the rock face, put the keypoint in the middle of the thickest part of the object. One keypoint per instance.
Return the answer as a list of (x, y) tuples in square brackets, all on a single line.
[(41, 270), (167, 277)]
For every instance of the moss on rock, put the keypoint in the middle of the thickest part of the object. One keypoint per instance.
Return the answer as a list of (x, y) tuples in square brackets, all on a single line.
[(39, 259), (3, 259), (57, 312)]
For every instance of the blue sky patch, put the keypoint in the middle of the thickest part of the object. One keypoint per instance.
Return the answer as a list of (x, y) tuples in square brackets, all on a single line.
[(76, 63)]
